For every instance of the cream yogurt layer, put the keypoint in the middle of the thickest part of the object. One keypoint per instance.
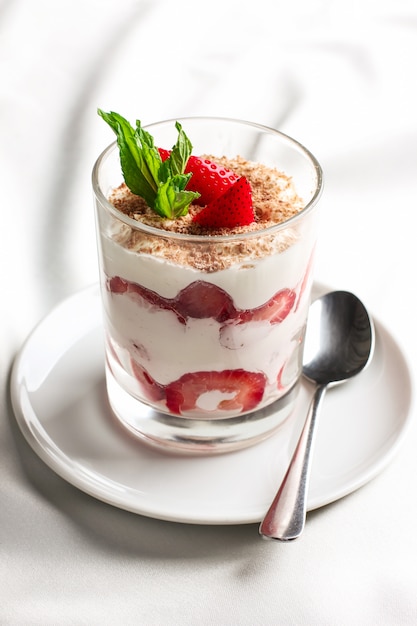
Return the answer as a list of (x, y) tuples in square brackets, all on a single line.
[(250, 283), (153, 350)]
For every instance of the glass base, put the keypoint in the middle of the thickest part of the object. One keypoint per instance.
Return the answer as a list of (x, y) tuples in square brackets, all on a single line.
[(186, 435)]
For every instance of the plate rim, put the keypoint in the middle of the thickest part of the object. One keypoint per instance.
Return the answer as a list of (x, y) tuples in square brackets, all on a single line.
[(50, 453)]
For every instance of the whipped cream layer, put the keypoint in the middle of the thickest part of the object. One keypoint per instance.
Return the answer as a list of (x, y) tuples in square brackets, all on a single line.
[(143, 335), (250, 282)]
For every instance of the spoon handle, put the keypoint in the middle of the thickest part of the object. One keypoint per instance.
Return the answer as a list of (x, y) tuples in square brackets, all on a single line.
[(286, 516)]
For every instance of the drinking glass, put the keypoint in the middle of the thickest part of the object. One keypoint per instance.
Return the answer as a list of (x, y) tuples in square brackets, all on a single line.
[(204, 334)]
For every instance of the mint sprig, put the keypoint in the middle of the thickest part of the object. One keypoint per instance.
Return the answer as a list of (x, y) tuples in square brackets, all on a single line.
[(160, 183)]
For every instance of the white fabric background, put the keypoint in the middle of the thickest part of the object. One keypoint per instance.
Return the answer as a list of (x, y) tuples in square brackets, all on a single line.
[(341, 78)]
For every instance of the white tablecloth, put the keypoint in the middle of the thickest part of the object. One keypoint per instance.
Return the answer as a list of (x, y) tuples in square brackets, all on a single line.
[(341, 78)]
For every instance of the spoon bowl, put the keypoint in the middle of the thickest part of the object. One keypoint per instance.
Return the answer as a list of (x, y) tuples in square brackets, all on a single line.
[(339, 339), (338, 345)]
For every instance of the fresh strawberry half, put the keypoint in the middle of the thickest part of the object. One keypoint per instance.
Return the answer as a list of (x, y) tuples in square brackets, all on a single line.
[(247, 388), (227, 199), (274, 311), (233, 208), (208, 178)]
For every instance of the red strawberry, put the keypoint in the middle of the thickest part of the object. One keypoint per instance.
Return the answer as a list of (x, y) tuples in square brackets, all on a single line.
[(164, 154), (202, 300), (248, 389), (208, 178), (198, 300), (233, 208), (274, 311), (115, 284), (142, 294), (150, 388)]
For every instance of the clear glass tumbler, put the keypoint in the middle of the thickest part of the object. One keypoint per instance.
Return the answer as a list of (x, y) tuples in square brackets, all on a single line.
[(204, 334)]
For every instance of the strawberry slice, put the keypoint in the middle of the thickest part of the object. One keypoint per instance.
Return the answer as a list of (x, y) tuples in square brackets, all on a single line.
[(274, 311), (247, 389), (233, 208), (141, 294), (115, 284), (150, 388), (201, 300), (208, 178)]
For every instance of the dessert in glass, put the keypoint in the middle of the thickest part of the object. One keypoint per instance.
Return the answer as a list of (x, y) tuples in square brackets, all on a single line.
[(206, 231)]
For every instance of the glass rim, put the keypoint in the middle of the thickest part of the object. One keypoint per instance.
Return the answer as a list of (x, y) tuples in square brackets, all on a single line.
[(159, 232)]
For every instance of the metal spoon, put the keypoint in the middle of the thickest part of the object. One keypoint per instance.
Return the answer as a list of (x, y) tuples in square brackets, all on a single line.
[(338, 345)]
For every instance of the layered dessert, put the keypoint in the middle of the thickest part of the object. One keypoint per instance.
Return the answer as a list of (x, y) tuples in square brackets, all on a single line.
[(206, 288)]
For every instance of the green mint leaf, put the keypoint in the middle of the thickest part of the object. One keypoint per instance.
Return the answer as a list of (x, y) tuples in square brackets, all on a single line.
[(135, 171), (180, 152), (171, 202), (161, 184), (151, 160)]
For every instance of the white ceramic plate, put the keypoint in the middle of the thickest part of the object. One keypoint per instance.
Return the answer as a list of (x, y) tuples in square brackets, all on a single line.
[(59, 398)]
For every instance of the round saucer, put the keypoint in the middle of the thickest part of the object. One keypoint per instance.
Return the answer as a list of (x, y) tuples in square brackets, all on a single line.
[(59, 397)]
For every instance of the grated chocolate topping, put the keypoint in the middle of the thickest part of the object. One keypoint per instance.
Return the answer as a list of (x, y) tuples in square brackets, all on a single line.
[(275, 200)]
